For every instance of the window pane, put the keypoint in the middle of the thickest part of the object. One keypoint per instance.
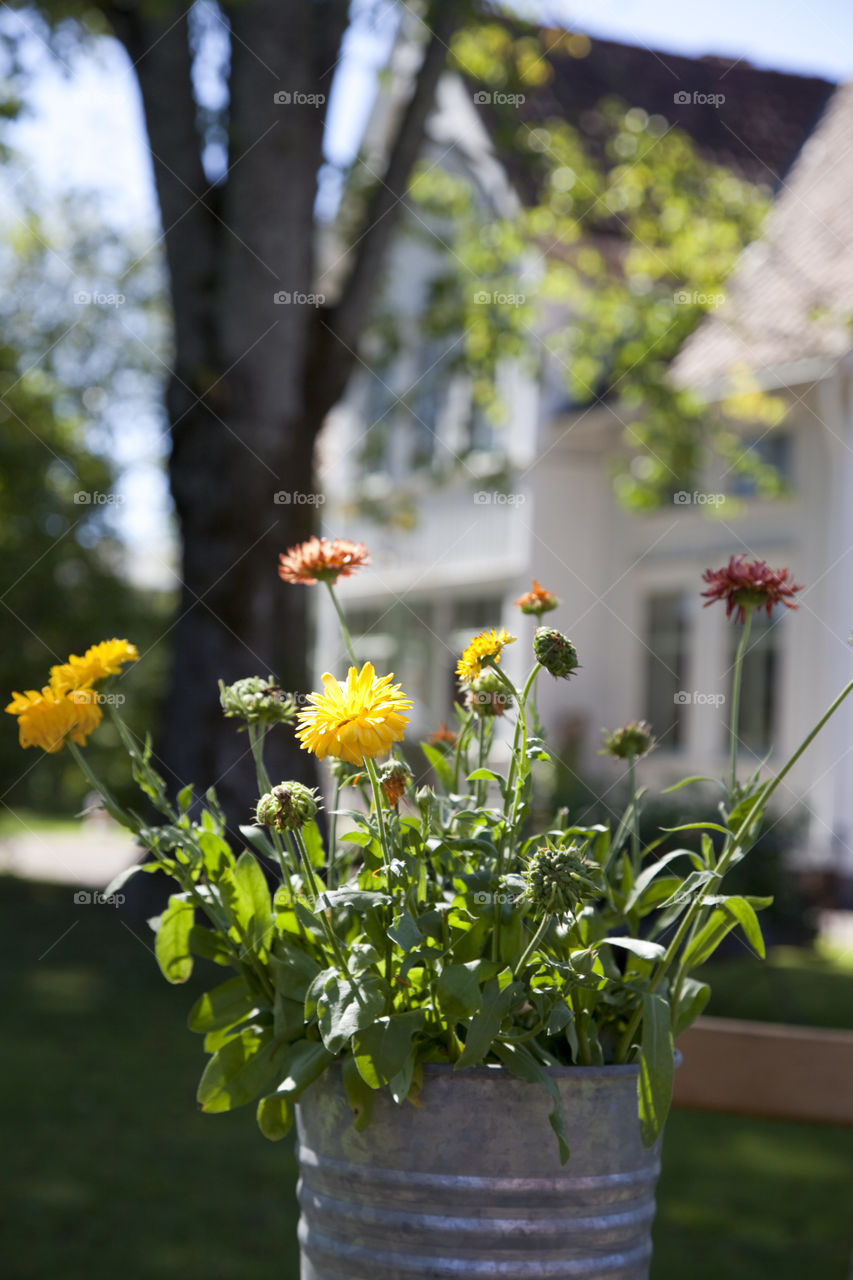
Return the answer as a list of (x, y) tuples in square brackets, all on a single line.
[(666, 640)]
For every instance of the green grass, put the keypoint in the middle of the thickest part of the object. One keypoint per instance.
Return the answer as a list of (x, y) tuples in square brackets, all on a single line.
[(793, 985), (22, 822), (111, 1171)]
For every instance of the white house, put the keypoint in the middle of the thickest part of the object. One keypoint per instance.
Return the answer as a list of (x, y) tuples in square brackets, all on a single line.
[(539, 503)]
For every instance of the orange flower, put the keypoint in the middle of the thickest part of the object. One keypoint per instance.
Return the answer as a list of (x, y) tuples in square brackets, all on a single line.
[(443, 734), (322, 560), (537, 600)]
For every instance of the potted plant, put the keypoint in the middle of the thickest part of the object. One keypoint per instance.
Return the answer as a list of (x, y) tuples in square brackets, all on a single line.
[(470, 1019)]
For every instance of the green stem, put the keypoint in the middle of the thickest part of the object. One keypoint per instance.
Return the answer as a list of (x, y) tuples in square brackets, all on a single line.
[(736, 687), (344, 628), (635, 815), (732, 845), (580, 1028), (333, 835), (541, 930), (386, 858), (112, 807)]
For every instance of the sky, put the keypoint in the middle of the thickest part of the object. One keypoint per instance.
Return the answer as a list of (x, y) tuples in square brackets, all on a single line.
[(85, 127)]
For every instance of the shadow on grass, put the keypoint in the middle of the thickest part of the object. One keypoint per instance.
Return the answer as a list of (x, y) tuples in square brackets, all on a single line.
[(110, 1170)]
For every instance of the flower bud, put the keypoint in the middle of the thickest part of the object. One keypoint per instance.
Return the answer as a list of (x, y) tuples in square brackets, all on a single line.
[(633, 739), (559, 879), (257, 701), (488, 695), (287, 807), (394, 778), (555, 651)]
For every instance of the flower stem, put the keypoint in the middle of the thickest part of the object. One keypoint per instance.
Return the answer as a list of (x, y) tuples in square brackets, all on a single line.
[(635, 815), (533, 944), (386, 858), (732, 845), (736, 687), (347, 639), (112, 806)]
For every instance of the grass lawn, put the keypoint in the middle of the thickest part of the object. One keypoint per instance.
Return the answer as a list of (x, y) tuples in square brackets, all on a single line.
[(110, 1171)]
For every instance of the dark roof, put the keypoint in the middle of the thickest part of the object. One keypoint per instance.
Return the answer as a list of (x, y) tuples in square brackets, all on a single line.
[(756, 131)]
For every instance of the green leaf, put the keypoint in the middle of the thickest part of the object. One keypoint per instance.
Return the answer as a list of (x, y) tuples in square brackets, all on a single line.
[(645, 878), (248, 899), (359, 1093), (313, 842), (383, 1050), (172, 940), (292, 968), (347, 1005), (209, 944), (405, 932), (185, 798), (520, 1062), (639, 946), (694, 996), (216, 855), (259, 840), (441, 764), (748, 921), (685, 782), (705, 943), (458, 990), (222, 1007), (654, 1084), (275, 1116), (300, 1066), (249, 1065), (486, 1024)]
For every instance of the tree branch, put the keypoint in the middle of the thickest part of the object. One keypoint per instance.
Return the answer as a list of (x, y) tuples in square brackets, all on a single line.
[(338, 336)]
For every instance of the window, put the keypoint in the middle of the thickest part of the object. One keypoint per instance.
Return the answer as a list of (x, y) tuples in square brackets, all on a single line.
[(771, 451), (666, 665), (757, 719)]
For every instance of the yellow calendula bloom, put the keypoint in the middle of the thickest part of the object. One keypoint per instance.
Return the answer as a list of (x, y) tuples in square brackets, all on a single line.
[(47, 718), (363, 717), (488, 644), (98, 662)]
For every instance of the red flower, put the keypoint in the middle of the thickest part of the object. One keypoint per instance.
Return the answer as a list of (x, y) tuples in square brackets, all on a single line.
[(537, 600), (322, 560), (749, 585)]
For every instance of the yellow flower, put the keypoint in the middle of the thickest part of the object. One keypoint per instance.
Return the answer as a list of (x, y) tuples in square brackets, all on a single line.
[(350, 721), (488, 644), (47, 718), (98, 662)]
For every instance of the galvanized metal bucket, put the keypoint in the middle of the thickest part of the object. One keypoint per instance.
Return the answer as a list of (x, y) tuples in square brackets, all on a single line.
[(469, 1183)]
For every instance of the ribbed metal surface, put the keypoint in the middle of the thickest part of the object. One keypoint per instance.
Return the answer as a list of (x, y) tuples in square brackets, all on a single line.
[(470, 1183)]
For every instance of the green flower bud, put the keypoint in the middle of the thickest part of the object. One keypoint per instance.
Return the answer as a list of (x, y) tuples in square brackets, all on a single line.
[(488, 695), (559, 879), (287, 807), (257, 701), (555, 651), (634, 739)]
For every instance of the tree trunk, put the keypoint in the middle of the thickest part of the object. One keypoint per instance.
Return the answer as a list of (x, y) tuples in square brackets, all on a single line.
[(253, 378)]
